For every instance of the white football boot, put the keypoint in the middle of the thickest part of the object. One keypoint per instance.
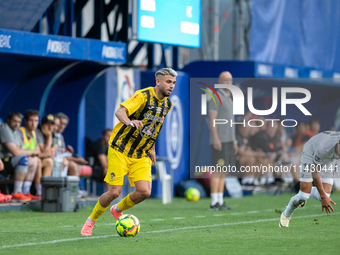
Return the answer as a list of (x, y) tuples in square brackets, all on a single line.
[(284, 221)]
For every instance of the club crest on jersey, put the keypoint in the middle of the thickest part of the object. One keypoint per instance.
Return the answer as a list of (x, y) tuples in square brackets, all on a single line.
[(148, 130), (165, 111)]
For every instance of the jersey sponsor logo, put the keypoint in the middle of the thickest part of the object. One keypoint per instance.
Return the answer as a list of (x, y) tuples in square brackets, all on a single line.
[(152, 117), (148, 130)]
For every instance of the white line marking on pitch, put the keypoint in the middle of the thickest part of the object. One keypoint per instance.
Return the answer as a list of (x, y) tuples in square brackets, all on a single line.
[(180, 218), (160, 231)]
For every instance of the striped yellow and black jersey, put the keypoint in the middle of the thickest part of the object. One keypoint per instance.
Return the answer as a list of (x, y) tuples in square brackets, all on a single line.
[(143, 105)]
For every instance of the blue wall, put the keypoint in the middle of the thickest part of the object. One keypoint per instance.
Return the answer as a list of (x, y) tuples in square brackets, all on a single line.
[(302, 33)]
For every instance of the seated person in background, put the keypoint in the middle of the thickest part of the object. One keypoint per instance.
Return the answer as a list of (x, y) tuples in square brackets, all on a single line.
[(17, 161), (44, 135), (58, 144), (285, 143), (246, 156), (44, 132), (266, 141), (74, 162), (300, 130), (297, 140), (313, 128), (99, 151), (1, 165), (29, 137), (257, 125)]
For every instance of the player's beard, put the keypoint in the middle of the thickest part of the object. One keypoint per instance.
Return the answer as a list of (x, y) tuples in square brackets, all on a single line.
[(163, 91)]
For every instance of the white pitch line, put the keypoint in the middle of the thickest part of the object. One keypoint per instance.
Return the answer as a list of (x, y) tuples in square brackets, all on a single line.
[(180, 218), (160, 231)]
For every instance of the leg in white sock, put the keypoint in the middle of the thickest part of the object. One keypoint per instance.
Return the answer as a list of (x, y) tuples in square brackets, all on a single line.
[(220, 198), (295, 202), (38, 189), (214, 198), (315, 194), (17, 187), (26, 188)]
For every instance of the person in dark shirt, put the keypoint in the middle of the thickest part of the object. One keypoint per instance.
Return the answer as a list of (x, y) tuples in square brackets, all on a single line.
[(299, 133), (246, 156), (266, 142), (99, 152)]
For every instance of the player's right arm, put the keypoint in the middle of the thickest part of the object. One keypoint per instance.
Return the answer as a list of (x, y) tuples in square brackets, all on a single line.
[(128, 107), (122, 116)]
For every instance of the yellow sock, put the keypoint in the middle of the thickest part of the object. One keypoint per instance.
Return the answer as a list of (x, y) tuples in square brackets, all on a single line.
[(98, 210), (125, 204)]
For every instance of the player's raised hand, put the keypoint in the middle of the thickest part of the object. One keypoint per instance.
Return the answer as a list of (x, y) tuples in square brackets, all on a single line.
[(136, 123), (326, 204)]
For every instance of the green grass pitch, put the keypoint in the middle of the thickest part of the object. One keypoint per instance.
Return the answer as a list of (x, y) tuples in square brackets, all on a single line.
[(179, 228)]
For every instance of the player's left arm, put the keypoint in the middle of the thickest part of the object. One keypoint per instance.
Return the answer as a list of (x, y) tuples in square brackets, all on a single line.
[(316, 167), (153, 155), (325, 200)]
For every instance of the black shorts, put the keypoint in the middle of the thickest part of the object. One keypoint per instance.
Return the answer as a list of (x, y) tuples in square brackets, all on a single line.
[(225, 157), (8, 168)]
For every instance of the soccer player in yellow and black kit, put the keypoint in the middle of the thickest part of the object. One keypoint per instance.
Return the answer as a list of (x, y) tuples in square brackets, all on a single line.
[(132, 146)]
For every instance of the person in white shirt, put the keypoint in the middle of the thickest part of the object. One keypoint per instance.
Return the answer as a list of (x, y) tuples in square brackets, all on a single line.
[(318, 164)]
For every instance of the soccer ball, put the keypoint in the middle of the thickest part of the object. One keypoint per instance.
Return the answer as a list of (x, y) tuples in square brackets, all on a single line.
[(192, 194), (127, 225)]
